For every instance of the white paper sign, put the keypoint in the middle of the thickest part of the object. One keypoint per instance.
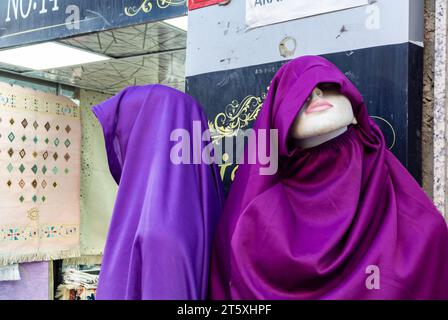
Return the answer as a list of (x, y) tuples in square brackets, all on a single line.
[(264, 12)]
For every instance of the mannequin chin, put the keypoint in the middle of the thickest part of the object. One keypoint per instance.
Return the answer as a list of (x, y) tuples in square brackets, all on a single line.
[(325, 115)]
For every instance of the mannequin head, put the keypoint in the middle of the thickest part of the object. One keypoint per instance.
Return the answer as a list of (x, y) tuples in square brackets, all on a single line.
[(325, 115)]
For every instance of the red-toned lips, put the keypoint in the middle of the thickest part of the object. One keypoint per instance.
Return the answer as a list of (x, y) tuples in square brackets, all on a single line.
[(318, 105)]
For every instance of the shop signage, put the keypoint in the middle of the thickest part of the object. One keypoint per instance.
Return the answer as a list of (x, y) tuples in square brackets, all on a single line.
[(28, 21), (265, 12)]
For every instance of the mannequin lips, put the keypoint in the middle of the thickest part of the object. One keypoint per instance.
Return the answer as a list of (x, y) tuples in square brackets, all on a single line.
[(318, 105)]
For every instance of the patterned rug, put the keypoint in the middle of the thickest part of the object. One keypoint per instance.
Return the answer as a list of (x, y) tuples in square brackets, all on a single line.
[(40, 148)]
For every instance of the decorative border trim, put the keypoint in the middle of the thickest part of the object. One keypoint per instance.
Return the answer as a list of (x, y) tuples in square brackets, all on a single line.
[(28, 233)]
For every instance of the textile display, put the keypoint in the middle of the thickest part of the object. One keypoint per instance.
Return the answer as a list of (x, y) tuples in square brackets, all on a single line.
[(342, 220), (72, 276), (77, 285), (98, 188), (163, 224), (40, 144), (36, 283)]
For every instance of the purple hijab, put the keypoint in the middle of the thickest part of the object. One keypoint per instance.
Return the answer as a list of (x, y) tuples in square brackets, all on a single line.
[(159, 241), (332, 217)]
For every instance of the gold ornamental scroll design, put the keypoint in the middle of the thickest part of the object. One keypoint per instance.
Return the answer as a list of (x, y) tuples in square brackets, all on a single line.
[(236, 116), (147, 5), (394, 134)]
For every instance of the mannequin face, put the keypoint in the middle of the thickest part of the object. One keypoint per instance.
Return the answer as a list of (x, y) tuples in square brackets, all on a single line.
[(325, 111)]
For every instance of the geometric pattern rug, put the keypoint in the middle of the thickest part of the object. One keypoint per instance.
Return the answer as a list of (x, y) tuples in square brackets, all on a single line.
[(40, 151)]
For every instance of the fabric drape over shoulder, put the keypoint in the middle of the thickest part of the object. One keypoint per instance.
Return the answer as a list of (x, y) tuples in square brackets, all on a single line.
[(159, 241), (343, 220)]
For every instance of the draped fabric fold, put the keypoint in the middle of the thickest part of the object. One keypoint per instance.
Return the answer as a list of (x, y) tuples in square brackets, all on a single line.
[(159, 241), (343, 220)]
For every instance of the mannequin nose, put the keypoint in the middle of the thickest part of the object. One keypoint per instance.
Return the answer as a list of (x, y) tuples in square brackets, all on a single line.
[(317, 93)]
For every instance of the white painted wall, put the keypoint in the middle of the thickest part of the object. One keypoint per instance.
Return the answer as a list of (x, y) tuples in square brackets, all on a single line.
[(218, 40)]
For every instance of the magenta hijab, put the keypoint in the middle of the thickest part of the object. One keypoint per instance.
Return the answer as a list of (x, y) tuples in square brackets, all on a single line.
[(343, 220), (165, 215)]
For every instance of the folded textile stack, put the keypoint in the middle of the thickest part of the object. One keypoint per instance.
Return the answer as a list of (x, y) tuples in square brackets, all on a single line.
[(78, 285), (76, 277)]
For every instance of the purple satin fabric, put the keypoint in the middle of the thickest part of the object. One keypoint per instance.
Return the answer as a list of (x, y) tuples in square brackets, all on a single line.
[(313, 230), (164, 219)]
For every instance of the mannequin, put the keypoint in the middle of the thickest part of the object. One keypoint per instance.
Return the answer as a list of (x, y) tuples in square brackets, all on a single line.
[(325, 115), (341, 219), (164, 218)]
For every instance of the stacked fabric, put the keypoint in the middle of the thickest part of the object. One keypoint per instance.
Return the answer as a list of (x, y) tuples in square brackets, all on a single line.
[(78, 285)]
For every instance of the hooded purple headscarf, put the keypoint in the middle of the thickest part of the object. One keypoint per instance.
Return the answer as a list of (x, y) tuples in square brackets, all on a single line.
[(159, 241), (343, 220)]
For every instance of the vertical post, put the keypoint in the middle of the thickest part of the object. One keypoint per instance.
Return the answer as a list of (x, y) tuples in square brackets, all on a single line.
[(440, 107), (428, 100)]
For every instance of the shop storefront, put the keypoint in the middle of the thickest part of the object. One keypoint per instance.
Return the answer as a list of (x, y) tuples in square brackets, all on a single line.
[(85, 162), (104, 47)]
